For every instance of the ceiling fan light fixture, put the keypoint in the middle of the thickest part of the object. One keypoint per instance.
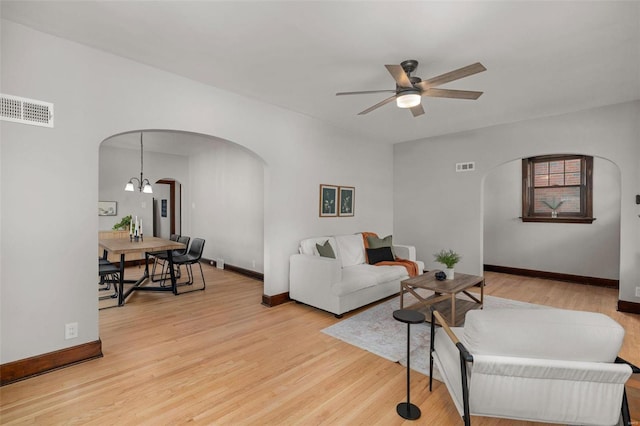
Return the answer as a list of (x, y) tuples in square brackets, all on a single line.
[(408, 99)]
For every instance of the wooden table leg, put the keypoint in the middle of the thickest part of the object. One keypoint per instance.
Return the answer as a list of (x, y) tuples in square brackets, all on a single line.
[(453, 309), (401, 296)]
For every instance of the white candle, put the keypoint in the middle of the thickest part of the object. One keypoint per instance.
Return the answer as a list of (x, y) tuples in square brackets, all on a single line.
[(140, 226), (130, 227)]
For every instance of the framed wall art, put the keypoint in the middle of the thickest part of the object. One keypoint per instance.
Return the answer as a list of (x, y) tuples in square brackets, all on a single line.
[(328, 201), (163, 208), (107, 208), (346, 197)]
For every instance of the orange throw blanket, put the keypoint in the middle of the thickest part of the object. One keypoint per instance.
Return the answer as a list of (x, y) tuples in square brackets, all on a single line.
[(412, 267)]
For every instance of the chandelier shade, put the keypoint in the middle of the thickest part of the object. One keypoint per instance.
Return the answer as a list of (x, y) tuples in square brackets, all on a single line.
[(142, 184)]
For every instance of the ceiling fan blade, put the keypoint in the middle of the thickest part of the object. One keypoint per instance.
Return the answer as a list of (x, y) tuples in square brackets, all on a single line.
[(365, 92), (399, 75), (454, 94), (378, 105), (453, 75), (417, 110)]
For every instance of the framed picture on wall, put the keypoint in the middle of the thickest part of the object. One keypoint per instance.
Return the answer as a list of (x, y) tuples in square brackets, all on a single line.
[(107, 208), (163, 208), (346, 197), (328, 201)]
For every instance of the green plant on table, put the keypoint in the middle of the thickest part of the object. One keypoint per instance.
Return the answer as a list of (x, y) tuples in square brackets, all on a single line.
[(448, 258), (124, 224)]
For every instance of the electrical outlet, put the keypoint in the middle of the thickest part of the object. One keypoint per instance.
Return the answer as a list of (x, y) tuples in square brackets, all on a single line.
[(637, 291), (71, 330)]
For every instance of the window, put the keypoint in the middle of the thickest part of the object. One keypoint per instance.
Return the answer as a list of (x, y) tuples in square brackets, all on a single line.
[(557, 188)]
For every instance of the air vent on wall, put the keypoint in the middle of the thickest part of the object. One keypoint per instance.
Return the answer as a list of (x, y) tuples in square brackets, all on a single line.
[(26, 111), (466, 167)]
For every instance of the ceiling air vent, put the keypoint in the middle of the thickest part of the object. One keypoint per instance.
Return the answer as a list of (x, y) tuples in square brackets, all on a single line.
[(26, 111)]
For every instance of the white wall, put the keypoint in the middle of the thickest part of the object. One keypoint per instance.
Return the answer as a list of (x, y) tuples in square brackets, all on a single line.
[(227, 204), (435, 207), (97, 95), (591, 250)]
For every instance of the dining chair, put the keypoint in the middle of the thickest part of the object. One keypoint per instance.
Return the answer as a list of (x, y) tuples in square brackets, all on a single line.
[(161, 257), (109, 274), (193, 256)]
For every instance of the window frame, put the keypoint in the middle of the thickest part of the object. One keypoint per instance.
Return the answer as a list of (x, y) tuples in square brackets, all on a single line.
[(586, 190)]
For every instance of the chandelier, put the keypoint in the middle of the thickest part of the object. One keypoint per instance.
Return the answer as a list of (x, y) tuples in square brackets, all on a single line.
[(143, 184)]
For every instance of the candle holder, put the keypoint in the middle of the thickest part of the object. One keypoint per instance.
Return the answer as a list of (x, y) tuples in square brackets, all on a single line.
[(136, 238)]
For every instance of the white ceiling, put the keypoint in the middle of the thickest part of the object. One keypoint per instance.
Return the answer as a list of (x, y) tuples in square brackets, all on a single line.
[(542, 58)]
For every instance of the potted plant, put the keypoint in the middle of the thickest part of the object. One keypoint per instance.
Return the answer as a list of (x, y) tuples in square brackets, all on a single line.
[(124, 224), (449, 258)]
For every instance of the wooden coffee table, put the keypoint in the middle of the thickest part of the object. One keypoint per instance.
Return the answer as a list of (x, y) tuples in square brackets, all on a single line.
[(444, 298)]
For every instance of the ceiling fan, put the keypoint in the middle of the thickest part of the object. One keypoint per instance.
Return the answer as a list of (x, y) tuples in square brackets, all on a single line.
[(410, 89)]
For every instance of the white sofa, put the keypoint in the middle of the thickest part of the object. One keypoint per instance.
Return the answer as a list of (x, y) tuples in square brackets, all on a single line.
[(545, 365), (347, 282)]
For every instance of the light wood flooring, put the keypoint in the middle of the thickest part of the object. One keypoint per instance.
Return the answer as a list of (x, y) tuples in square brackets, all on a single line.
[(220, 357)]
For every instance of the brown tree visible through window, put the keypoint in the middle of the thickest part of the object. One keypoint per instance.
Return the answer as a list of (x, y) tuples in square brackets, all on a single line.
[(557, 188)]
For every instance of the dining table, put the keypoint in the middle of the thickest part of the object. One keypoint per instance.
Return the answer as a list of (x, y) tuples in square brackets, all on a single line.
[(146, 245)]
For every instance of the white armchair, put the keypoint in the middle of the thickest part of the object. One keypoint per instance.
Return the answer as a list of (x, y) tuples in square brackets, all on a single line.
[(548, 365)]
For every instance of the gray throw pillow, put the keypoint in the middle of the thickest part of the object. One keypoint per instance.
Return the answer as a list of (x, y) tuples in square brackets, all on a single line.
[(326, 250), (375, 242)]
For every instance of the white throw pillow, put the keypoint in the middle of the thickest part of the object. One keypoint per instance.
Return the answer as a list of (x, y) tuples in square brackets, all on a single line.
[(308, 246), (351, 248)]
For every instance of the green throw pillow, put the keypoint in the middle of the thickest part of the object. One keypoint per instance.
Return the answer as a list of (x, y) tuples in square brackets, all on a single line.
[(375, 242), (326, 250)]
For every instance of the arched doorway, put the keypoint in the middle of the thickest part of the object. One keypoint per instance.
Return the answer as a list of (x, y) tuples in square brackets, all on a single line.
[(585, 250), (167, 208), (218, 190)]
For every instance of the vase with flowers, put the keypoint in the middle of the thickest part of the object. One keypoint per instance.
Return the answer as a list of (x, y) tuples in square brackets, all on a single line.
[(553, 205)]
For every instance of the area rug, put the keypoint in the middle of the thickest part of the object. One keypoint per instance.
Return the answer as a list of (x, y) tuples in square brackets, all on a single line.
[(375, 330)]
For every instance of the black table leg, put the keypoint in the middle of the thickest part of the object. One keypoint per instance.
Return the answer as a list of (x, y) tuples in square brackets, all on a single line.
[(407, 410), (121, 281), (174, 285)]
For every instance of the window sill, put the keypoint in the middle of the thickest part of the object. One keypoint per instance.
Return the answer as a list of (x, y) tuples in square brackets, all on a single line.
[(558, 219)]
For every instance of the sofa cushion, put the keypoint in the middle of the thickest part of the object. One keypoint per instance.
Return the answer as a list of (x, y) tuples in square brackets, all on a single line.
[(382, 254), (350, 249), (543, 333), (308, 246), (325, 250), (376, 242), (388, 273), (361, 276)]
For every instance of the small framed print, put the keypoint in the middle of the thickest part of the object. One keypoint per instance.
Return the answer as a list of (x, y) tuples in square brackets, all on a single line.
[(328, 201), (346, 197), (163, 208), (107, 208)]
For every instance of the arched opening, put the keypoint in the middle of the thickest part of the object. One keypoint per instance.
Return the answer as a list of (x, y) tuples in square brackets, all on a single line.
[(167, 208), (583, 250), (203, 187)]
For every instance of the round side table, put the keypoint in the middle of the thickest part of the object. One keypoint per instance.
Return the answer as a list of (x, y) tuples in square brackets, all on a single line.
[(407, 410)]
